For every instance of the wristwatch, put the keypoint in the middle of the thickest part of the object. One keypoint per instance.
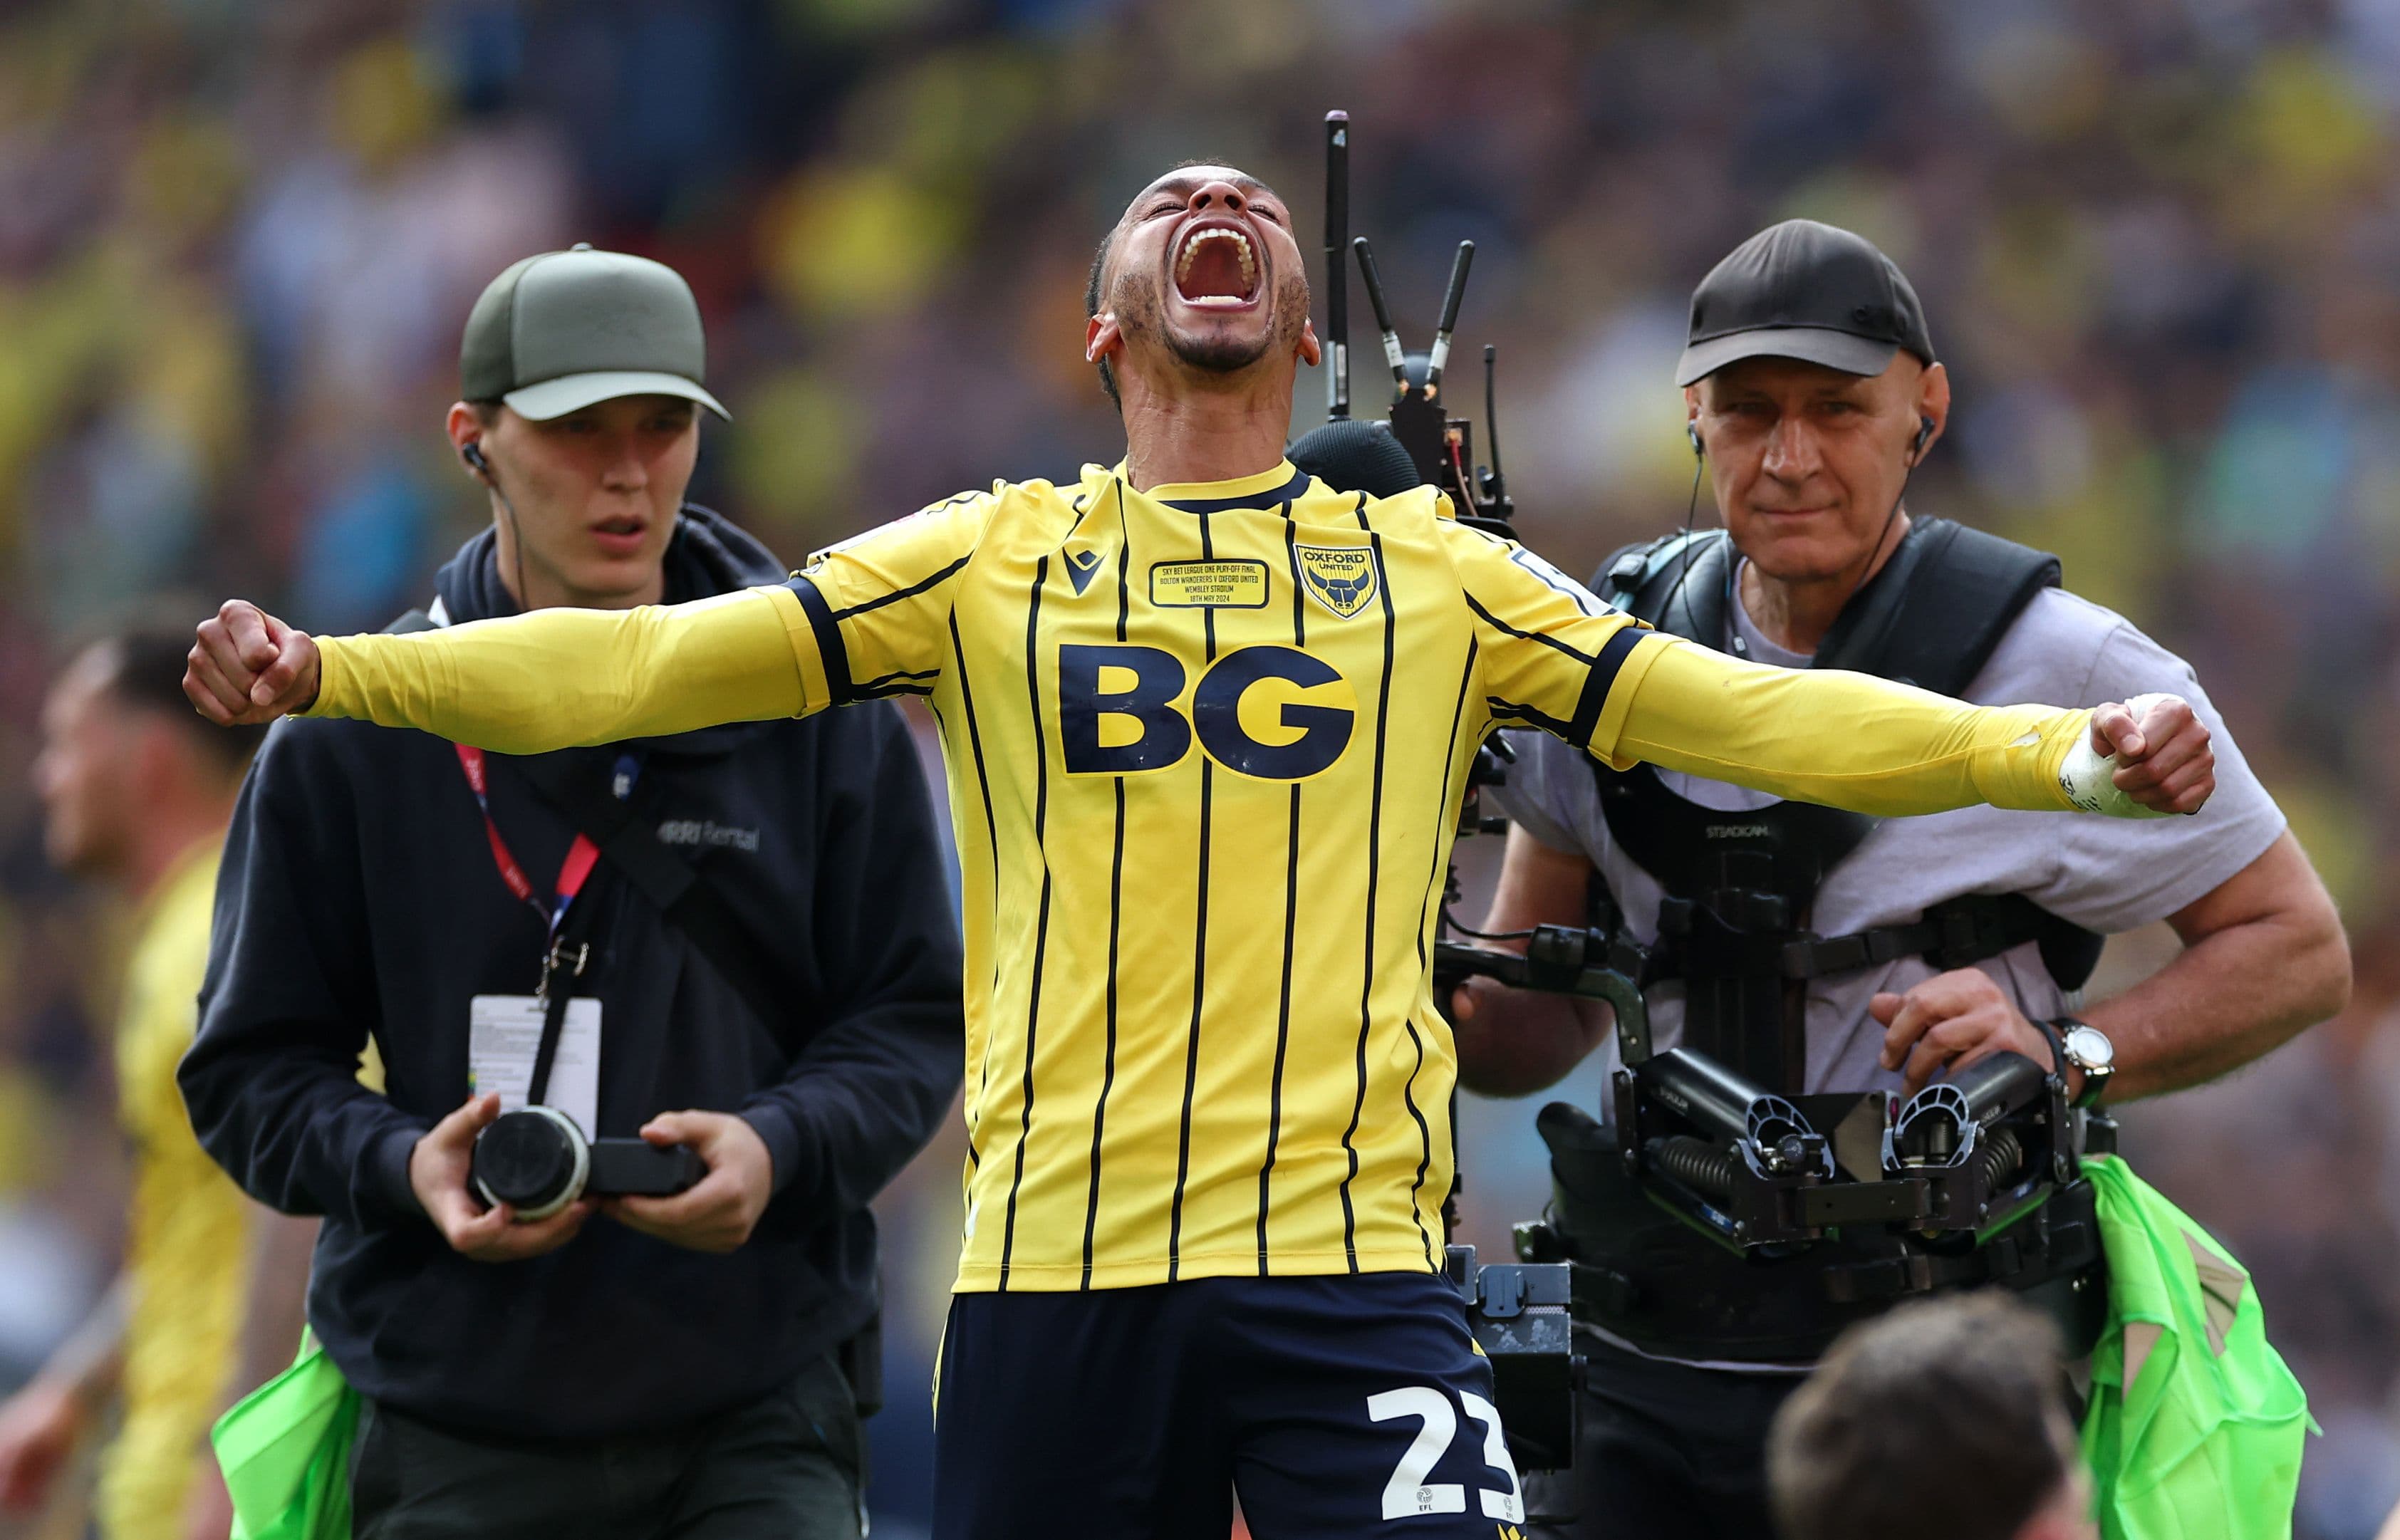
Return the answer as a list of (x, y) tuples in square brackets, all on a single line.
[(2088, 1049)]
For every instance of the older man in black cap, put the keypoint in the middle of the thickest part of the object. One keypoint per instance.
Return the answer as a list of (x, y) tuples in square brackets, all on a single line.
[(737, 941), (1906, 948)]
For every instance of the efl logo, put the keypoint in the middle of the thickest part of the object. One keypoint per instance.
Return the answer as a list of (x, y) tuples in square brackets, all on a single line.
[(1340, 578), (1271, 711)]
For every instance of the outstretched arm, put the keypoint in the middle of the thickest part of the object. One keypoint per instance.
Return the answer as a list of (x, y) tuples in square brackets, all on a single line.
[(1851, 741), (869, 617), (550, 679), (1556, 658)]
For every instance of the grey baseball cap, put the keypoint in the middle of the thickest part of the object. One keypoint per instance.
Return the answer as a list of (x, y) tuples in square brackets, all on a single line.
[(558, 331), (1801, 289)]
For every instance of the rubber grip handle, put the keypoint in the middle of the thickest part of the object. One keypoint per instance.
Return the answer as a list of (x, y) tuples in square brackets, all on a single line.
[(639, 1168)]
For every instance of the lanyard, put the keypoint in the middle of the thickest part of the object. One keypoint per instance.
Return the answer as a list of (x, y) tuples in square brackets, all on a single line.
[(572, 873)]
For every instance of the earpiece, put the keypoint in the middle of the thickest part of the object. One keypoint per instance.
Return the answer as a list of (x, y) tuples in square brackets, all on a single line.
[(1924, 432), (1692, 431), (472, 453)]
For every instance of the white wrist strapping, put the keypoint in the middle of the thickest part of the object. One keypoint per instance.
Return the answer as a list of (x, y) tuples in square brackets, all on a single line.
[(2089, 778)]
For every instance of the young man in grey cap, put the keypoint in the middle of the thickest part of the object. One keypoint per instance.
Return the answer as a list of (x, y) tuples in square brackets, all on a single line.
[(690, 1365), (1812, 392)]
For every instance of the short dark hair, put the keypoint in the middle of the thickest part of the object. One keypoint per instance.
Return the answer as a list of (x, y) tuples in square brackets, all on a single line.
[(1944, 1420), (143, 668)]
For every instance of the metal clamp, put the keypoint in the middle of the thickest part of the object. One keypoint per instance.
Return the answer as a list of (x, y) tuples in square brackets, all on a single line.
[(550, 964)]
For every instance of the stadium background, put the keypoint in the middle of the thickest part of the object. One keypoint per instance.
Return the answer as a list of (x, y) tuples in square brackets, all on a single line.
[(2158, 241)]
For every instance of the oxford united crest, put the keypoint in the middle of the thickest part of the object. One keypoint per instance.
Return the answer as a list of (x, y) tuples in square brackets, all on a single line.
[(1340, 578)]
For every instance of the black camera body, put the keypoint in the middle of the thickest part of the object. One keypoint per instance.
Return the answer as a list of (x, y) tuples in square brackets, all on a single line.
[(537, 1161)]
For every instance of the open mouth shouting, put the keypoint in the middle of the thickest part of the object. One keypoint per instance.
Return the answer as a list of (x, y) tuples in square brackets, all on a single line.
[(1216, 268)]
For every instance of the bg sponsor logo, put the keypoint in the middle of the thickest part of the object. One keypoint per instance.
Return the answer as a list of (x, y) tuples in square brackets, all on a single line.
[(1274, 713)]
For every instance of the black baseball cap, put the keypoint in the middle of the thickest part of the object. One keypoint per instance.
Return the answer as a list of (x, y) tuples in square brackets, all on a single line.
[(1801, 289), (562, 330)]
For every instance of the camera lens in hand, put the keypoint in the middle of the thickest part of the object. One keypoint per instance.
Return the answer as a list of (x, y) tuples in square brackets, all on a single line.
[(535, 1160)]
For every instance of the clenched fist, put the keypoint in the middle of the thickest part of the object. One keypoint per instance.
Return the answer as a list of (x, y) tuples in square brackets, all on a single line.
[(2163, 760), (249, 668)]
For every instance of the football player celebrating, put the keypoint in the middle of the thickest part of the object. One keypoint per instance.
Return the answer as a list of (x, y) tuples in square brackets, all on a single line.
[(1207, 724)]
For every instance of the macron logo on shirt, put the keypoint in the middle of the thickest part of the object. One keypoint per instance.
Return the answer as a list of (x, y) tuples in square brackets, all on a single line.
[(1080, 565)]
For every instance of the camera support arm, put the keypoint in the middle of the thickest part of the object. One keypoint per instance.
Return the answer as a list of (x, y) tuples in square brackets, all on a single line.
[(1558, 960)]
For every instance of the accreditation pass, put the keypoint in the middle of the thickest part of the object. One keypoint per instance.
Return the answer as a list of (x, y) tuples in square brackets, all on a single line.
[(504, 1032)]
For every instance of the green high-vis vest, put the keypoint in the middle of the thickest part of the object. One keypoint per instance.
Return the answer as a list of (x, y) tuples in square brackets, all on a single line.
[(2195, 1427)]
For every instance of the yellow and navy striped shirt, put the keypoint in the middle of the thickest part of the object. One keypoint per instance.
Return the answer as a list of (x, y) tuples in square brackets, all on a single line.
[(1207, 747)]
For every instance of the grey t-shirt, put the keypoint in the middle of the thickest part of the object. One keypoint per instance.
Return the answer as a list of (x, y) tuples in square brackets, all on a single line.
[(2106, 874)]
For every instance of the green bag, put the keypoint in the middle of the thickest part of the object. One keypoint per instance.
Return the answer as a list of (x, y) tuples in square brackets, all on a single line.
[(2196, 1425), (285, 1450)]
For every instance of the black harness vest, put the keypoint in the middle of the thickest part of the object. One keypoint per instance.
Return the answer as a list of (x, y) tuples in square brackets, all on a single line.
[(1733, 928), (1740, 886)]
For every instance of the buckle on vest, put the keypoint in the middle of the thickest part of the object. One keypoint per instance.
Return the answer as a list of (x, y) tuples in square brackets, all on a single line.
[(1811, 956), (1969, 933), (1817, 956)]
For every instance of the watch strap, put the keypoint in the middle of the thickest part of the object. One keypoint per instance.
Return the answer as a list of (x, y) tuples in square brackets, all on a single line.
[(2057, 1048), (2095, 1082)]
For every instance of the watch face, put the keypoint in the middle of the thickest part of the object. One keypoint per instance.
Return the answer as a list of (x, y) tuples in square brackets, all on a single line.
[(2090, 1047)]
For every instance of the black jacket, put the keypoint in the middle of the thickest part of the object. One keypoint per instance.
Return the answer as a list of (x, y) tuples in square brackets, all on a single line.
[(359, 897)]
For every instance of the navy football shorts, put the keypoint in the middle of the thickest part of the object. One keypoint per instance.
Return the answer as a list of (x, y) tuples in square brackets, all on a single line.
[(1353, 1405)]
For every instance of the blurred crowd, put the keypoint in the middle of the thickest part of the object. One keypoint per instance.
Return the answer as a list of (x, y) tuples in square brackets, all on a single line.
[(2158, 241)]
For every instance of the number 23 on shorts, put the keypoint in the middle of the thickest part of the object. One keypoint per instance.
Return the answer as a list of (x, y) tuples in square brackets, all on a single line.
[(1409, 1493)]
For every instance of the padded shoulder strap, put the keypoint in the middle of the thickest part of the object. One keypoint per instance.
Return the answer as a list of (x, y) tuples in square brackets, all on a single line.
[(1629, 567), (683, 896), (1680, 584), (1932, 617), (1677, 583)]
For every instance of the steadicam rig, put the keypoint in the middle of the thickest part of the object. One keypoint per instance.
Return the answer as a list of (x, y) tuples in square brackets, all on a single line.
[(1518, 1311), (1864, 1197), (1975, 1152), (1857, 1198)]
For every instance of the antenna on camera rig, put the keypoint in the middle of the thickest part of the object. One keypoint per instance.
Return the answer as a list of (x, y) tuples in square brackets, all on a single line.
[(1441, 447), (1337, 275), (1421, 442), (1393, 354)]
